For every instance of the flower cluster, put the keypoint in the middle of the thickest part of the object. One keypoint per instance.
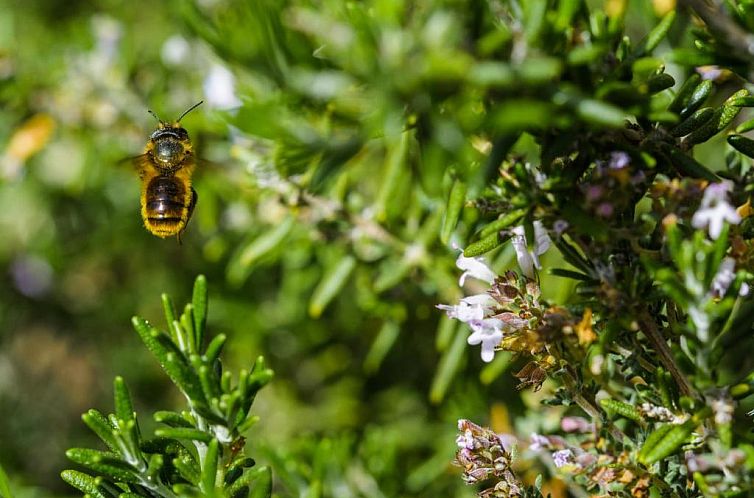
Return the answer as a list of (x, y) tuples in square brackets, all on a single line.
[(612, 185), (511, 316), (597, 471), (486, 459), (509, 306)]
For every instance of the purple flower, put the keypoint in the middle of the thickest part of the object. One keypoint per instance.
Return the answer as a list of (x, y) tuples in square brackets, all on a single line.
[(562, 457), (559, 227), (605, 210), (538, 442), (619, 159)]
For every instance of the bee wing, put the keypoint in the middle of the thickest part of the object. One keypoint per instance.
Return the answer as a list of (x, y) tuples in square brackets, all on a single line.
[(140, 163)]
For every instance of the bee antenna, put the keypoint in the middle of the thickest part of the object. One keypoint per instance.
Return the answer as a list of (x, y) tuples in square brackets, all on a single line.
[(190, 109), (155, 116)]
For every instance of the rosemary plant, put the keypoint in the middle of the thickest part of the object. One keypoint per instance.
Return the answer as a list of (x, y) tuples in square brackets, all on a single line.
[(196, 452)]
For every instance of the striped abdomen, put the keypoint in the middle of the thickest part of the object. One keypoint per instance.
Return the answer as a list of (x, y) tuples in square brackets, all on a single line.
[(166, 206)]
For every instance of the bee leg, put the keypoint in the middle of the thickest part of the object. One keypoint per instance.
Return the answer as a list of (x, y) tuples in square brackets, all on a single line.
[(192, 205)]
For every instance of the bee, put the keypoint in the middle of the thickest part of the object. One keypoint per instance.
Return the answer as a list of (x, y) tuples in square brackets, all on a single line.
[(165, 169)]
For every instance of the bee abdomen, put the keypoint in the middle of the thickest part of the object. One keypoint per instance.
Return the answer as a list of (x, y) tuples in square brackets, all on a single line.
[(165, 198), (165, 206)]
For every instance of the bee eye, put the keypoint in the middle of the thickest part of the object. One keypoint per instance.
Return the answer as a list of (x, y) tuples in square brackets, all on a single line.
[(182, 133)]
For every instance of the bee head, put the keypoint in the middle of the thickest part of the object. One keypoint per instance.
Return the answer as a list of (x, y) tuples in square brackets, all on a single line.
[(170, 141)]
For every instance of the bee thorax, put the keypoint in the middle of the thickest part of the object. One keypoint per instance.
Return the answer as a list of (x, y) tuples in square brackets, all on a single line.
[(168, 151)]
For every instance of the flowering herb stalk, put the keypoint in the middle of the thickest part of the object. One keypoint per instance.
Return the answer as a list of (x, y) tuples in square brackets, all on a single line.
[(641, 358)]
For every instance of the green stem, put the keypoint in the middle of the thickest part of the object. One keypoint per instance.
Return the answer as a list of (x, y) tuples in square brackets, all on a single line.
[(588, 406), (649, 327)]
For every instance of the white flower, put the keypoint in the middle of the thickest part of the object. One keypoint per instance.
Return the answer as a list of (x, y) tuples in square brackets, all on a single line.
[(715, 210), (722, 406), (462, 311), (220, 88), (475, 268), (465, 439), (470, 308), (701, 321), (488, 332), (529, 260), (724, 277), (176, 50)]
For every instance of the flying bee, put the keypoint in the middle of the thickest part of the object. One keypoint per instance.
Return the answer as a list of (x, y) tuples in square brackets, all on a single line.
[(165, 169)]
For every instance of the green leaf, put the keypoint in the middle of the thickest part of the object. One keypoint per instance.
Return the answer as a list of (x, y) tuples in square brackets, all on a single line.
[(506, 220), (491, 74), (262, 484), (183, 433), (243, 262), (684, 93), (601, 113), (613, 406), (236, 469), (539, 70), (209, 471), (104, 463), (395, 170), (535, 15), (693, 122), (688, 166), (719, 119), (502, 362), (573, 256), (381, 346), (747, 101), (170, 318), (332, 282), (188, 469), (485, 245), (214, 348), (154, 467), (567, 9), (209, 381), (575, 275), (659, 32), (199, 301), (665, 441), (4, 485), (124, 408), (745, 126), (697, 98), (172, 419), (83, 482), (742, 144), (448, 367), (336, 154), (189, 330), (586, 54), (521, 115), (660, 82), (101, 427), (174, 364), (456, 200)]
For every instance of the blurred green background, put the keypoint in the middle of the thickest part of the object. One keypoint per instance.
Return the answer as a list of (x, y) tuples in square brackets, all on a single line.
[(369, 380)]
